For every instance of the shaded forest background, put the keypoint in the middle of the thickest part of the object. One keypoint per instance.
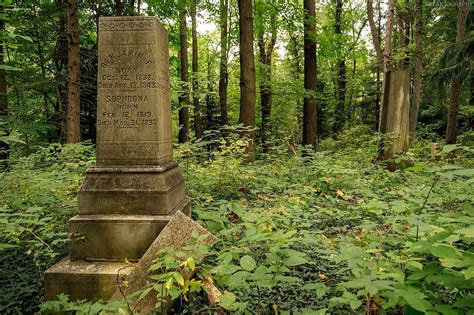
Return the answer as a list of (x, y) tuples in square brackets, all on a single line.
[(49, 71)]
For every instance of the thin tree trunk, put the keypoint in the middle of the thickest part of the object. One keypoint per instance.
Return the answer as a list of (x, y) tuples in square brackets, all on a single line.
[(196, 102), (223, 75), (210, 103), (73, 118), (309, 106), (60, 64), (266, 52), (119, 6), (386, 80), (3, 101), (375, 32), (418, 66), (341, 75), (247, 72), (183, 114), (453, 109), (471, 98)]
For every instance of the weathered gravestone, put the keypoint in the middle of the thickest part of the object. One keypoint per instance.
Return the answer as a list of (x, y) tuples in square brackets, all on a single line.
[(136, 187)]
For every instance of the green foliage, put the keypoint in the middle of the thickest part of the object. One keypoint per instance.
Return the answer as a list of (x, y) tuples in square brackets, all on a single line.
[(326, 233), (37, 199)]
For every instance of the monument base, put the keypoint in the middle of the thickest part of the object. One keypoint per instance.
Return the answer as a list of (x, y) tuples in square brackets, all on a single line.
[(93, 278), (117, 237), (84, 280)]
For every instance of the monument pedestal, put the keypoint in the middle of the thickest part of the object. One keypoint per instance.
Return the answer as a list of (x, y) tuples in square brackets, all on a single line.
[(84, 280), (136, 187)]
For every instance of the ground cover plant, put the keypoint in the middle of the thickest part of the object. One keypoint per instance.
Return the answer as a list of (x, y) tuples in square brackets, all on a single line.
[(326, 233)]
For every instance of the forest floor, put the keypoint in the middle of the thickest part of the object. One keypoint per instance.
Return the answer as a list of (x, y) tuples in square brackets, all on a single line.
[(331, 232)]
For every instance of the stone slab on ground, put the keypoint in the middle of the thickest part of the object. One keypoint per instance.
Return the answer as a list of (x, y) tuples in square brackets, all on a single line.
[(80, 279), (176, 234)]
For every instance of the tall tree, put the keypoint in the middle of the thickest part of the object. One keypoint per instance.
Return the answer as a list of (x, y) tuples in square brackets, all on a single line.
[(309, 104), (376, 38), (418, 66), (183, 114), (73, 117), (387, 66), (3, 95), (266, 45), (196, 102), (60, 67), (247, 72), (341, 74), (223, 74), (453, 109)]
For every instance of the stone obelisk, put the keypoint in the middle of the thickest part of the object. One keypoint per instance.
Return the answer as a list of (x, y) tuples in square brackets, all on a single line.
[(135, 187)]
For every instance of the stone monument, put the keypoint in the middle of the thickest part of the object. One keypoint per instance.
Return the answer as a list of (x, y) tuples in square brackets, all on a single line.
[(135, 187)]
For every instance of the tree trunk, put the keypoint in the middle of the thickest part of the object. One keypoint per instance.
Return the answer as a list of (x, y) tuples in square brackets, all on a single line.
[(386, 80), (3, 101), (309, 106), (73, 118), (210, 100), (183, 114), (418, 66), (223, 75), (60, 64), (247, 72), (453, 109), (266, 51), (119, 6), (196, 102), (375, 32), (341, 75)]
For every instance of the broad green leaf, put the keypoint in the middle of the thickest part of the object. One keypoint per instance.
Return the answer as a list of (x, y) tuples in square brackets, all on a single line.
[(468, 232), (414, 302), (179, 278), (248, 263), (226, 300), (294, 261), (444, 251)]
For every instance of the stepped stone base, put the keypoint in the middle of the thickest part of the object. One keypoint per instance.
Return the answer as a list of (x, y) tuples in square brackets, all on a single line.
[(82, 280), (150, 190), (117, 237)]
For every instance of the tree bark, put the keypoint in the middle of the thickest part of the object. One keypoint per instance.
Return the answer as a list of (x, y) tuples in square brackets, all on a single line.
[(196, 101), (183, 114), (386, 80), (453, 109), (418, 66), (3, 101), (341, 75), (309, 105), (119, 6), (265, 52), (60, 64), (223, 74), (210, 100), (375, 32), (73, 117), (247, 72)]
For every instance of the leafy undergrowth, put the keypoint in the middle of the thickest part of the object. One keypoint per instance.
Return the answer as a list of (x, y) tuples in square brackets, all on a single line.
[(327, 233)]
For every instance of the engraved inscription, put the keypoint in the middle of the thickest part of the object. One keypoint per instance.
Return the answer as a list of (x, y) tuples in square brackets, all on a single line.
[(128, 25), (133, 110)]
